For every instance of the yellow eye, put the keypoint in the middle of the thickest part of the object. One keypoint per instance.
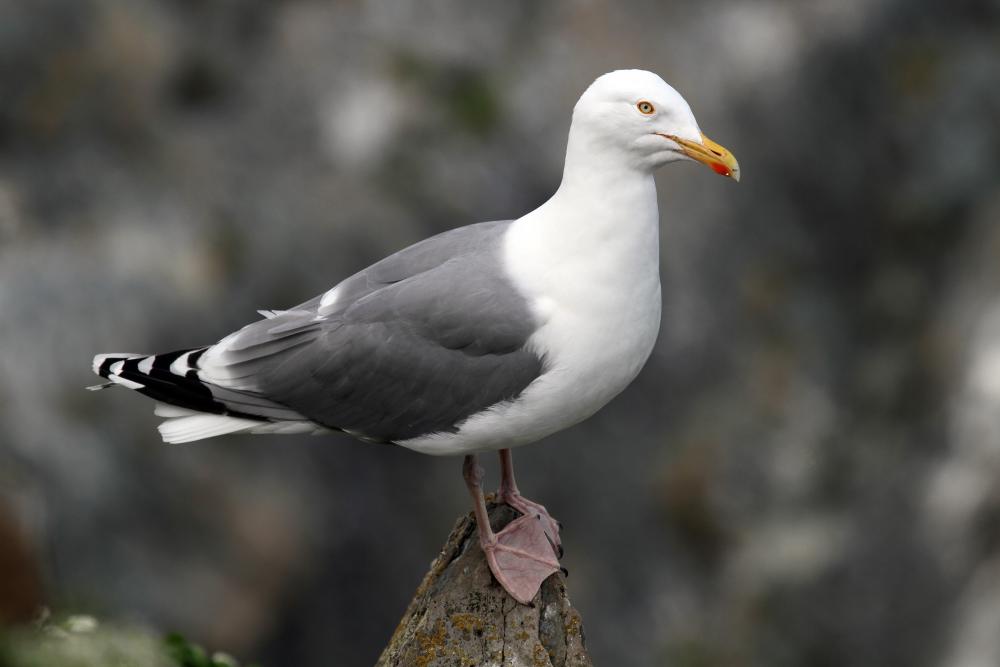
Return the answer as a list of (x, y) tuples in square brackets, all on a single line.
[(645, 107)]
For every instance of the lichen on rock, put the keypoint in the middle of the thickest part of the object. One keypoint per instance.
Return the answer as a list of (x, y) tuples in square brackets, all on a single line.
[(461, 617)]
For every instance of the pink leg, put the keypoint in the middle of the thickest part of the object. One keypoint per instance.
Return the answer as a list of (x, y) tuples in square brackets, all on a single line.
[(509, 494), (520, 556)]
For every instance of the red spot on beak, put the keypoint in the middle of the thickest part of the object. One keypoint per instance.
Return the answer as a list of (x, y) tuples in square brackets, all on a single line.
[(720, 169)]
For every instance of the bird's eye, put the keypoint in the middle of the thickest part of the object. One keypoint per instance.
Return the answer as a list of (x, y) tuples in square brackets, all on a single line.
[(645, 107)]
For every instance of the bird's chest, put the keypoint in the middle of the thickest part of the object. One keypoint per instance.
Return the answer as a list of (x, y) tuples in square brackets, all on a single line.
[(596, 299), (596, 334)]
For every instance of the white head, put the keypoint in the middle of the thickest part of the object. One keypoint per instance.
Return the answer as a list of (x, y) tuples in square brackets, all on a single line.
[(635, 116)]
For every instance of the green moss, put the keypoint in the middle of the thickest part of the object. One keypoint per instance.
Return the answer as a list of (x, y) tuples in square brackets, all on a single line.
[(186, 654), (81, 641)]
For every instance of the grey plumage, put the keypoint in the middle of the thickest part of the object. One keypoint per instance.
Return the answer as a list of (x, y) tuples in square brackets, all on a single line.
[(412, 345)]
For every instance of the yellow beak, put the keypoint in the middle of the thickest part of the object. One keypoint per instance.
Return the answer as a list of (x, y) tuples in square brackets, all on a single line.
[(708, 152)]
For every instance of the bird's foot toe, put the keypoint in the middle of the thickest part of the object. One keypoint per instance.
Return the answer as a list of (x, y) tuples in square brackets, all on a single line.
[(530, 508), (522, 558)]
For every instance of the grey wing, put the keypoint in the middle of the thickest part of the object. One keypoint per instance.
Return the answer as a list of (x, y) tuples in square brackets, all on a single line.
[(413, 345)]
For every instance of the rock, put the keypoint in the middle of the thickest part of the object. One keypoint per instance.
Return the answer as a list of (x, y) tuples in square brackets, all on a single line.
[(461, 617)]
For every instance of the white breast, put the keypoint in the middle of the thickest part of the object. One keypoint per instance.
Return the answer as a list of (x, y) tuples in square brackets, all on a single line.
[(592, 277)]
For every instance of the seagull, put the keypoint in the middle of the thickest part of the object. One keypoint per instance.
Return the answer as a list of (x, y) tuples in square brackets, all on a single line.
[(482, 338)]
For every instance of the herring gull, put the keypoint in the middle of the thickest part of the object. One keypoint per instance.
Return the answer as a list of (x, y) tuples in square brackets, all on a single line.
[(484, 337)]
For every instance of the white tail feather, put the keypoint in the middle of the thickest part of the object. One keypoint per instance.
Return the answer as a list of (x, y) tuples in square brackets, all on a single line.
[(201, 426), (184, 425)]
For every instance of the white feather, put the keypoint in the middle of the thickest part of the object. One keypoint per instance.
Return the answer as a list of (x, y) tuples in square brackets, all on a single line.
[(329, 299), (146, 365), (213, 368), (180, 365), (201, 426), (175, 426)]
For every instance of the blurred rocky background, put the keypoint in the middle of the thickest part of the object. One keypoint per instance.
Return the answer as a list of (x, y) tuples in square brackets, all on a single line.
[(807, 472)]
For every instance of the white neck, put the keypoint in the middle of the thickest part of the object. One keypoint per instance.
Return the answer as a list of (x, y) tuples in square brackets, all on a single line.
[(602, 221)]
